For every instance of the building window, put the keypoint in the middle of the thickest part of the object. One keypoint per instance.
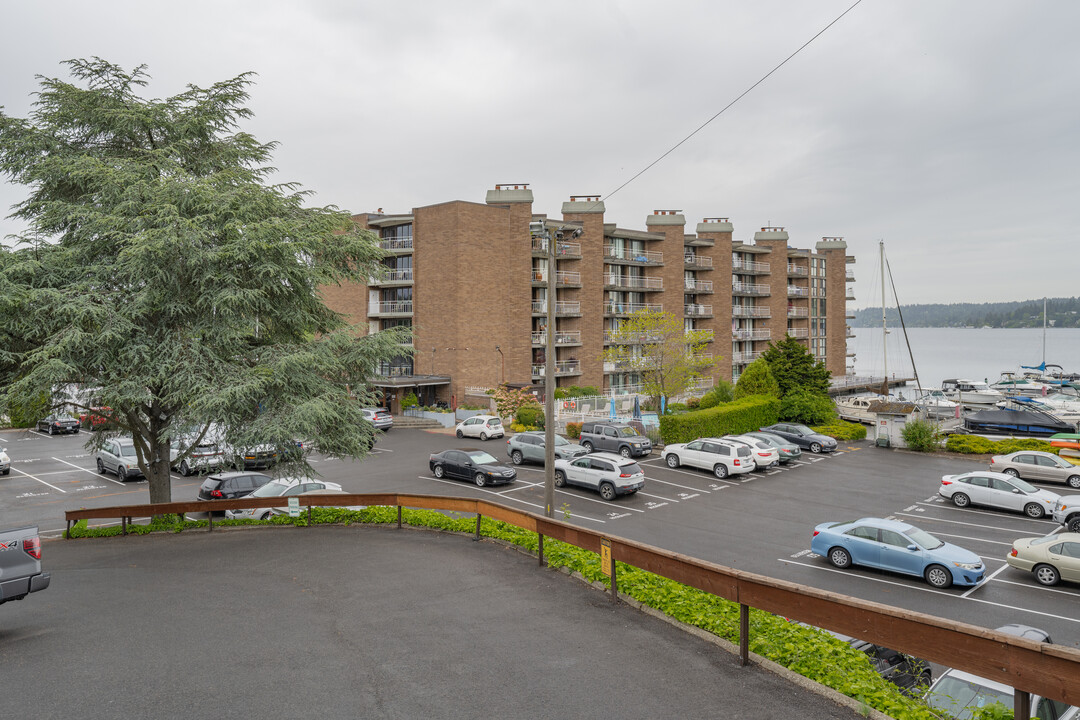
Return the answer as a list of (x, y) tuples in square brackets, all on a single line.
[(396, 367), (397, 232)]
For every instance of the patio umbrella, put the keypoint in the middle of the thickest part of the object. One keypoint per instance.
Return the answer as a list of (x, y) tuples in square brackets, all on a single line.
[(613, 407), (637, 408)]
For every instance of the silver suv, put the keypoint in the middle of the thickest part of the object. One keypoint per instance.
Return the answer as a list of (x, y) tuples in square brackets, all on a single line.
[(117, 455), (530, 446), (610, 474)]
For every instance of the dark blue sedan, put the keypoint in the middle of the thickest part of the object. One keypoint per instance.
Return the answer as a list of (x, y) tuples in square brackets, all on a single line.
[(897, 547)]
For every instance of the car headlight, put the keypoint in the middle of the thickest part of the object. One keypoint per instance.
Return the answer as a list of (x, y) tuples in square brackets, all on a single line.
[(968, 566)]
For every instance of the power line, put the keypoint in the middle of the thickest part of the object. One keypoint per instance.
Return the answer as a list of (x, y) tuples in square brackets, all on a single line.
[(740, 97)]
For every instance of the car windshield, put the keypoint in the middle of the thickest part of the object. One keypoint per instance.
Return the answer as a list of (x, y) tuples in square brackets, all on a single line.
[(481, 458), (923, 539), (560, 441), (627, 432), (270, 489), (127, 450), (960, 698), (1023, 485)]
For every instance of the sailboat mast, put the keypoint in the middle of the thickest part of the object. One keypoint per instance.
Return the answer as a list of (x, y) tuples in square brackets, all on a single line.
[(884, 329), (1044, 334)]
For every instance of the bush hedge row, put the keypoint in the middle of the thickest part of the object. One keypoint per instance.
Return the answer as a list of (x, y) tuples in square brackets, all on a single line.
[(842, 430), (738, 416), (976, 445)]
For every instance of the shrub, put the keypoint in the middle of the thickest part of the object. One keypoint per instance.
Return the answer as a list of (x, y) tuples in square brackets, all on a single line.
[(842, 430), (573, 430), (922, 435), (508, 400), (693, 403), (757, 379), (530, 416), (722, 393), (409, 401), (975, 445), (26, 414), (739, 416), (575, 391), (676, 408), (807, 407)]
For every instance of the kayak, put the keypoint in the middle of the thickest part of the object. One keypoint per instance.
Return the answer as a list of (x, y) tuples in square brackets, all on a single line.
[(1065, 440)]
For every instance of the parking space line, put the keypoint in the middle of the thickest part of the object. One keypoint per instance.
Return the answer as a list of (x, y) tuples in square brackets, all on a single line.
[(986, 579), (658, 497), (711, 477), (26, 474), (523, 502), (961, 522), (1070, 593), (92, 472), (950, 506), (931, 590), (684, 487)]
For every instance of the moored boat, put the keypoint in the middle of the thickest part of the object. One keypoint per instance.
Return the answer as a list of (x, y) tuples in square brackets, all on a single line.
[(856, 408), (1015, 422), (970, 392)]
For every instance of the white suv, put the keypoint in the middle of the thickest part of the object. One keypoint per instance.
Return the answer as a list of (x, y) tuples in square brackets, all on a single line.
[(481, 426), (762, 453), (721, 457)]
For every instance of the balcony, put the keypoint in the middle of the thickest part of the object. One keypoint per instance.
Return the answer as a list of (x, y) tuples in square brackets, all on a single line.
[(794, 312), (795, 291), (697, 262), (567, 250), (562, 369), (562, 337), (614, 337), (562, 307), (750, 311), (850, 294), (798, 332), (698, 286), (562, 277), (759, 334), (748, 267), (706, 334), (800, 270), (695, 310), (393, 277), (703, 383), (390, 307), (850, 332), (744, 358), (397, 245), (627, 282), (626, 308), (750, 289), (640, 257), (849, 276)]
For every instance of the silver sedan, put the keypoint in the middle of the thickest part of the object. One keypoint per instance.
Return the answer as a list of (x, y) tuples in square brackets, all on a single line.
[(1037, 465)]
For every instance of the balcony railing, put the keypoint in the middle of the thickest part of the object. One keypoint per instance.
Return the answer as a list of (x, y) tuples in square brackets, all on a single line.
[(695, 310), (798, 332), (633, 283), (697, 261), (750, 311), (698, 286), (850, 295), (393, 276), (794, 312), (706, 334), (562, 249), (849, 276), (611, 252), (758, 334), (751, 289), (562, 277), (562, 307), (568, 367), (625, 308), (797, 270), (742, 358), (750, 267), (795, 291), (396, 243), (390, 307), (850, 332), (562, 337), (703, 383)]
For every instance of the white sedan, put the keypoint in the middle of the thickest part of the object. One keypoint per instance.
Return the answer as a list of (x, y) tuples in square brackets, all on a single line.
[(283, 487), (5, 462), (997, 490)]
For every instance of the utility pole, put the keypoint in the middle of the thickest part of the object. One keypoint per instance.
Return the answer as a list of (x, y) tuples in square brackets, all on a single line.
[(549, 380)]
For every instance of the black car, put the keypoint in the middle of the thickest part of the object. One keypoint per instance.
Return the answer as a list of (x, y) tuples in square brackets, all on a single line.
[(802, 436), (58, 423), (231, 485), (471, 464), (909, 673)]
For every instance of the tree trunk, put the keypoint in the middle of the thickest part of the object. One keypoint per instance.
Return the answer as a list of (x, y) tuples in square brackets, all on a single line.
[(158, 465)]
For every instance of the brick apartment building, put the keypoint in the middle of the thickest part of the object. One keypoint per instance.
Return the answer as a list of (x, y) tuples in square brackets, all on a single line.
[(471, 280)]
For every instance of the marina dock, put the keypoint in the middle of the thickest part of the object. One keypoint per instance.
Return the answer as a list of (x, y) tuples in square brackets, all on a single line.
[(852, 384)]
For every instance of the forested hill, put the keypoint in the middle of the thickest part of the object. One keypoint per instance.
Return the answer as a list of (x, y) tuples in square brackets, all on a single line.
[(1060, 312)]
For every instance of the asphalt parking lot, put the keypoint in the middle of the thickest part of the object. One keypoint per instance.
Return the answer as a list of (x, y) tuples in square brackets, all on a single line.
[(760, 521)]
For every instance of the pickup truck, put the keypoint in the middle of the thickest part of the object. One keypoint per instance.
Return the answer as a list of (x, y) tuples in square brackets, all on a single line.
[(20, 564)]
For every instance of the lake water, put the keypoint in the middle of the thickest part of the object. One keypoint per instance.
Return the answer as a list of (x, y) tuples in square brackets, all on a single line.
[(975, 353)]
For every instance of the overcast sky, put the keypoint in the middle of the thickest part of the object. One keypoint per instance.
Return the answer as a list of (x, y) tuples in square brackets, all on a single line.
[(950, 129)]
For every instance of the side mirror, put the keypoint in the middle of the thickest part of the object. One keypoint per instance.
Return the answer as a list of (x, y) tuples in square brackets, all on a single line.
[(913, 547), (1016, 491)]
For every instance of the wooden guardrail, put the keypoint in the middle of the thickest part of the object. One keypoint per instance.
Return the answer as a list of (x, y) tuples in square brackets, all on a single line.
[(1052, 671)]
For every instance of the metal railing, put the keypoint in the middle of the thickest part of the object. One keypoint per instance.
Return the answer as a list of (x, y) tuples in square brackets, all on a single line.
[(612, 252), (794, 312), (625, 308), (390, 307), (795, 291), (797, 270), (761, 334), (744, 357), (562, 277), (750, 311), (1052, 671), (562, 337), (562, 307), (698, 286), (562, 249), (695, 310), (753, 289), (396, 243), (393, 276), (633, 283), (747, 266), (699, 261)]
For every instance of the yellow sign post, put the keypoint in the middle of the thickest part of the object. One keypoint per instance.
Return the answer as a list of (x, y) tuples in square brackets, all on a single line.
[(605, 556)]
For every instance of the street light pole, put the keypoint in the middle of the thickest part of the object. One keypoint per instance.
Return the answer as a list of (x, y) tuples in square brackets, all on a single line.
[(549, 383)]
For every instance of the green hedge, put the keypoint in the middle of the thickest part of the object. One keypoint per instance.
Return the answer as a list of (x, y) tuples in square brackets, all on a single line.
[(739, 416), (842, 430), (807, 651), (976, 445)]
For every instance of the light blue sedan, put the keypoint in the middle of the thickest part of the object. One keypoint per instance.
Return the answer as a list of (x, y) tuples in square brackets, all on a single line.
[(897, 547)]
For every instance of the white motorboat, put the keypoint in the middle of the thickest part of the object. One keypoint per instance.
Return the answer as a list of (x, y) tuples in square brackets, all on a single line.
[(934, 402), (1027, 385), (970, 392), (856, 408)]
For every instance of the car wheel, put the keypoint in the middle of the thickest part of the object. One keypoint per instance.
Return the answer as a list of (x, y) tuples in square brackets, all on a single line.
[(484, 436), (1046, 574), (840, 557), (1074, 524), (5, 472), (52, 429), (625, 451), (672, 460), (1012, 472), (938, 576), (480, 479), (815, 447), (607, 491), (515, 457), (560, 479), (185, 469), (460, 434), (926, 679), (720, 470), (100, 466), (961, 500), (121, 473), (1034, 510), (265, 516), (438, 471), (588, 446), (1074, 482)]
